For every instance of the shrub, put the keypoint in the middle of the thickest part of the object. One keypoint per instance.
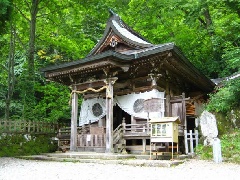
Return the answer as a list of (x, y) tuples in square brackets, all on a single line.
[(230, 144), (204, 152), (226, 98), (18, 145)]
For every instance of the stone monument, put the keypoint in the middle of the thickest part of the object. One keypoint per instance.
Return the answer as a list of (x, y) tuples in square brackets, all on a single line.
[(208, 125)]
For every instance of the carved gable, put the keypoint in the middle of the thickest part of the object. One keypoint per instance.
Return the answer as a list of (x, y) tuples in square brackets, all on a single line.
[(114, 42), (119, 37)]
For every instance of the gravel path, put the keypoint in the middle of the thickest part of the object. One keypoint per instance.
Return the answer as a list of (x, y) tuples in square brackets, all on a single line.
[(19, 169)]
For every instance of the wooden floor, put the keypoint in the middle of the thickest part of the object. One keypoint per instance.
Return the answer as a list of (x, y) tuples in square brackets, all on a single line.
[(136, 136)]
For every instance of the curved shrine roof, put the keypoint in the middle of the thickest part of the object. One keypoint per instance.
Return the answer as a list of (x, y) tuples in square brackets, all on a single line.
[(121, 49), (126, 34), (118, 30)]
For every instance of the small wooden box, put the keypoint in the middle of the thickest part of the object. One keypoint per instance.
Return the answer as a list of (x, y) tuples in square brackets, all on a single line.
[(164, 129)]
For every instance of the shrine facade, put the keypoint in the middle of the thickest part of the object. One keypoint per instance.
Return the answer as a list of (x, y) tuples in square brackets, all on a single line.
[(117, 77)]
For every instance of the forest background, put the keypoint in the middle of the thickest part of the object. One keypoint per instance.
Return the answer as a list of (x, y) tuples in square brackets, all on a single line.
[(38, 33)]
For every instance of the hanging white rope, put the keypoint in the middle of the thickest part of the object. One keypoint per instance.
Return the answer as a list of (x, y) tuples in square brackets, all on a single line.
[(88, 89)]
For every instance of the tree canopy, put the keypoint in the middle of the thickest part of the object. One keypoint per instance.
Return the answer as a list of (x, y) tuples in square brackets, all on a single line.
[(38, 33)]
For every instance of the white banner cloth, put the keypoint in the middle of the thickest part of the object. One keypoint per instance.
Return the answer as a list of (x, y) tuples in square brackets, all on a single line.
[(94, 109), (87, 114), (133, 104)]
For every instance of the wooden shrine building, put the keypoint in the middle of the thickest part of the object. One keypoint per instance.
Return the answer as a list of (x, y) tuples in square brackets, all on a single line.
[(121, 72)]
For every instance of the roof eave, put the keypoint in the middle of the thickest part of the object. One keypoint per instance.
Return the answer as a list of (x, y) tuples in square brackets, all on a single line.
[(90, 60), (210, 85)]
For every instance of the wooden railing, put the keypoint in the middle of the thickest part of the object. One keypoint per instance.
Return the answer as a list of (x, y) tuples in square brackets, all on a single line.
[(91, 140), (88, 137), (66, 131), (84, 138), (136, 129), (30, 127), (117, 134)]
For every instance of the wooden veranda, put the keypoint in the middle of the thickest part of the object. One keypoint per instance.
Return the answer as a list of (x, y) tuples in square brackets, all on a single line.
[(96, 140)]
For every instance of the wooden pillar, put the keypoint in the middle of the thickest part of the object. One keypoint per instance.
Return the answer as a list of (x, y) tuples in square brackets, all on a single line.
[(186, 141), (168, 110), (184, 110), (101, 122), (133, 121), (73, 140), (109, 114), (144, 143)]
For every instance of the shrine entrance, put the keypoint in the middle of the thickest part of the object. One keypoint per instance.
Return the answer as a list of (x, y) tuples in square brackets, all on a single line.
[(118, 115)]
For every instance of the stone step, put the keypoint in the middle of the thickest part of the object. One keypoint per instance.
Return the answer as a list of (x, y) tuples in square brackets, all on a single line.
[(90, 155), (110, 160)]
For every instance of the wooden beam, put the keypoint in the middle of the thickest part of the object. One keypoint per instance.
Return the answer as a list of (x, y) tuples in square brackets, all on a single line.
[(179, 100), (83, 68), (94, 95), (137, 90), (90, 84), (124, 66), (119, 86), (124, 84)]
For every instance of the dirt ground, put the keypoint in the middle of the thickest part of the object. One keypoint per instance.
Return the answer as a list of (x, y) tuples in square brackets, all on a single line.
[(19, 169)]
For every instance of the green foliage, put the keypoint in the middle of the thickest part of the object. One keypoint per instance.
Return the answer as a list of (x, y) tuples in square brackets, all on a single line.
[(15, 109), (53, 102), (17, 145), (232, 56), (202, 38), (226, 98), (230, 146), (224, 124), (68, 30), (204, 152), (5, 11)]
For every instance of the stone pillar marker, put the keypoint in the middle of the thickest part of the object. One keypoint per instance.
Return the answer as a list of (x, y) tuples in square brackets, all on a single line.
[(217, 152), (109, 114)]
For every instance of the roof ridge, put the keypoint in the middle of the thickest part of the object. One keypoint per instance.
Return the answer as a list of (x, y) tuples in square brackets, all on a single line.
[(115, 25), (115, 16)]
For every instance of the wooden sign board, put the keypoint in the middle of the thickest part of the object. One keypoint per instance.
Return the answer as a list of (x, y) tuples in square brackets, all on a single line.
[(153, 105)]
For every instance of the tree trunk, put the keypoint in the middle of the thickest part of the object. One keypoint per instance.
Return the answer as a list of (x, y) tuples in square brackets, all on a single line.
[(29, 98), (11, 77), (216, 49), (208, 20), (33, 20)]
